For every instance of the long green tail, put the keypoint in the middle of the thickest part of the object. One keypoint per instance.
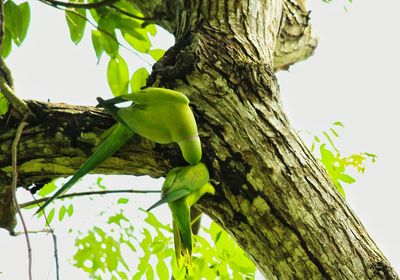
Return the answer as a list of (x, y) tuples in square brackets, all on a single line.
[(109, 146), (181, 219)]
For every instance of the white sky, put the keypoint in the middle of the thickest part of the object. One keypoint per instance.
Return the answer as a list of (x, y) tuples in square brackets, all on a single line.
[(351, 78)]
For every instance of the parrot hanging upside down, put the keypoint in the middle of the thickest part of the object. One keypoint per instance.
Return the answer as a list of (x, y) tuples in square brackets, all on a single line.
[(159, 114), (182, 188)]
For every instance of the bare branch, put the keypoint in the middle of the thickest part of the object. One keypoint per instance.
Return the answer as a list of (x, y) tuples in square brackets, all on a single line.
[(14, 186), (37, 201), (92, 5), (45, 230), (122, 11), (2, 27)]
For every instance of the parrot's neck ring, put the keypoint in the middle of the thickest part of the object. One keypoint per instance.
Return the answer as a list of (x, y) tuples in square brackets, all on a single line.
[(189, 138)]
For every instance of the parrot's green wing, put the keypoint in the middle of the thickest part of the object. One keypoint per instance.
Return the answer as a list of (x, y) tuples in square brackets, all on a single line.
[(110, 145), (182, 181), (171, 176), (170, 197)]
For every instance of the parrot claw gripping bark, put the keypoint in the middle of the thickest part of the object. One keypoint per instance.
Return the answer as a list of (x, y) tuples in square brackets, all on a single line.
[(182, 188), (159, 114)]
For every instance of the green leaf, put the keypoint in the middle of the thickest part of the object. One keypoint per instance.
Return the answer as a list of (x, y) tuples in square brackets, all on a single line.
[(50, 216), (338, 124), (3, 105), (149, 273), (218, 236), (156, 54), (62, 212), (334, 132), (139, 45), (154, 222), (132, 27), (117, 218), (123, 200), (99, 184), (97, 44), (25, 12), (138, 79), (47, 189), (70, 210), (151, 28), (162, 270), (330, 141), (12, 17), (373, 156), (118, 76), (340, 189), (76, 23), (346, 178), (108, 37)]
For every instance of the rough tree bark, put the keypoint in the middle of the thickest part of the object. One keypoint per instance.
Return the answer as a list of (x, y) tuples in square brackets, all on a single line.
[(272, 195)]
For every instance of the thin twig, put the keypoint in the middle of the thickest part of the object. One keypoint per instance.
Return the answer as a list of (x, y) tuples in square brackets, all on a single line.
[(37, 201), (78, 5), (94, 5), (14, 186), (54, 240), (45, 230), (56, 254), (122, 11), (2, 27)]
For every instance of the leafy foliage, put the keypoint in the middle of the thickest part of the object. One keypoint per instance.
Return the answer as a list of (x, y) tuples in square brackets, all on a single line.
[(138, 79), (115, 26), (76, 23), (337, 165), (16, 21), (16, 24), (45, 191), (99, 253), (215, 256), (118, 75)]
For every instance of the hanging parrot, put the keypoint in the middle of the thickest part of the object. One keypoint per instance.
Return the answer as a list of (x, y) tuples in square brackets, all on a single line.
[(182, 188), (159, 114)]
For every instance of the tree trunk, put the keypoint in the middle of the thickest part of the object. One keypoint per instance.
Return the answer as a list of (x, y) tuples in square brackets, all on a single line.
[(272, 195)]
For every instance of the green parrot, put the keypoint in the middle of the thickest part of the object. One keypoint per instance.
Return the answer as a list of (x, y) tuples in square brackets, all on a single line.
[(182, 188), (159, 114)]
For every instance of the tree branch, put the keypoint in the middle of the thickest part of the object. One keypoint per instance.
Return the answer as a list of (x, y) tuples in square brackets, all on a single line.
[(63, 136), (5, 78), (296, 42), (78, 5)]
